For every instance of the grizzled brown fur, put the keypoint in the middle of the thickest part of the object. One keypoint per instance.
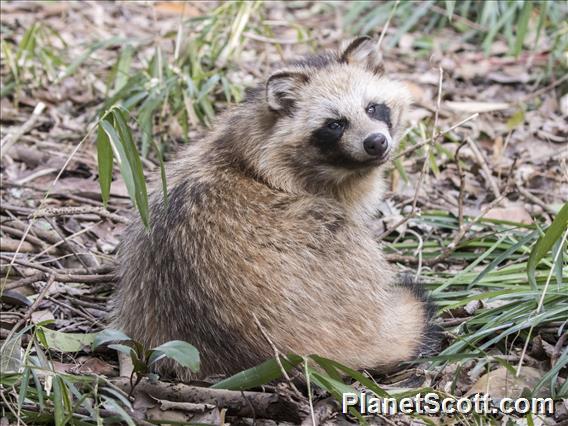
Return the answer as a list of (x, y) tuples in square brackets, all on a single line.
[(268, 216)]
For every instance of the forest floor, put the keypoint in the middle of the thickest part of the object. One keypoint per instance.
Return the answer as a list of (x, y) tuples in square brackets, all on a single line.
[(482, 171)]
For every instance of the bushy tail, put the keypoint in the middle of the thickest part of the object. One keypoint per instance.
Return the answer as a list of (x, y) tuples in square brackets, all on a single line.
[(431, 342)]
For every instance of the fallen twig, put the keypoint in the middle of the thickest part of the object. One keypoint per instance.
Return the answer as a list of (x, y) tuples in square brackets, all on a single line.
[(29, 238), (12, 137), (483, 163), (543, 90), (525, 193), (462, 184), (263, 405), (60, 276), (184, 406), (73, 211)]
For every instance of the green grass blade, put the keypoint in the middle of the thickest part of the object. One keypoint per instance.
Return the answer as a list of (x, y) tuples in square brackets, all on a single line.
[(522, 27), (104, 158), (336, 389), (58, 404), (553, 372), (24, 387), (420, 11), (260, 375), (88, 52), (354, 374), (450, 5), (545, 243), (503, 256)]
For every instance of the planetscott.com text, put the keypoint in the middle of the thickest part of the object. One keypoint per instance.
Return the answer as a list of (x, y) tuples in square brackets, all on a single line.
[(432, 403)]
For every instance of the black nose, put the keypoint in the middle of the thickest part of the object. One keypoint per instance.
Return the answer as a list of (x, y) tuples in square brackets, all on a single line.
[(376, 144)]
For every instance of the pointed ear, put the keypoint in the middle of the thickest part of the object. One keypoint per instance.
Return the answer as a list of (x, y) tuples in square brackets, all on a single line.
[(364, 51), (282, 89)]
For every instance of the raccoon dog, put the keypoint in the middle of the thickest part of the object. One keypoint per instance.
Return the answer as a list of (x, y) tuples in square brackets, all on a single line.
[(267, 219)]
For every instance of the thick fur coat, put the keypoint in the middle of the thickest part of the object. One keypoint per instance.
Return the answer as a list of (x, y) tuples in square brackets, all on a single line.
[(268, 217)]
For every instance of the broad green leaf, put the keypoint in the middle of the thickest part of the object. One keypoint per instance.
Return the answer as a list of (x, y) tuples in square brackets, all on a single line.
[(122, 67), (545, 243), (125, 170), (125, 349), (11, 354), (154, 357), (260, 375), (181, 352), (133, 158), (104, 158), (67, 342), (109, 335)]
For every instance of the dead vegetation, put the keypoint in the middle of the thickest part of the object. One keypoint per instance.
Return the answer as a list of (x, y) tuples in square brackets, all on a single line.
[(95, 95)]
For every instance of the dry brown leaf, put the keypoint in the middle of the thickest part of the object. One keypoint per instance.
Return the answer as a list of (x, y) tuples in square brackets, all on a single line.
[(501, 383), (94, 365), (178, 8), (43, 315), (513, 213)]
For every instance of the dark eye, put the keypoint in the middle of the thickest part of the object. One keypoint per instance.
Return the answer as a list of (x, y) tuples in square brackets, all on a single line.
[(335, 125), (380, 112)]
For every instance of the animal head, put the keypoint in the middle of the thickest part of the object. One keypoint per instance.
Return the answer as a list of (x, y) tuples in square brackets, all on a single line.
[(331, 117)]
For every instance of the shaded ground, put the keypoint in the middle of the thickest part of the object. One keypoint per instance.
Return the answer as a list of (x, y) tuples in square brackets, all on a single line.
[(58, 241)]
